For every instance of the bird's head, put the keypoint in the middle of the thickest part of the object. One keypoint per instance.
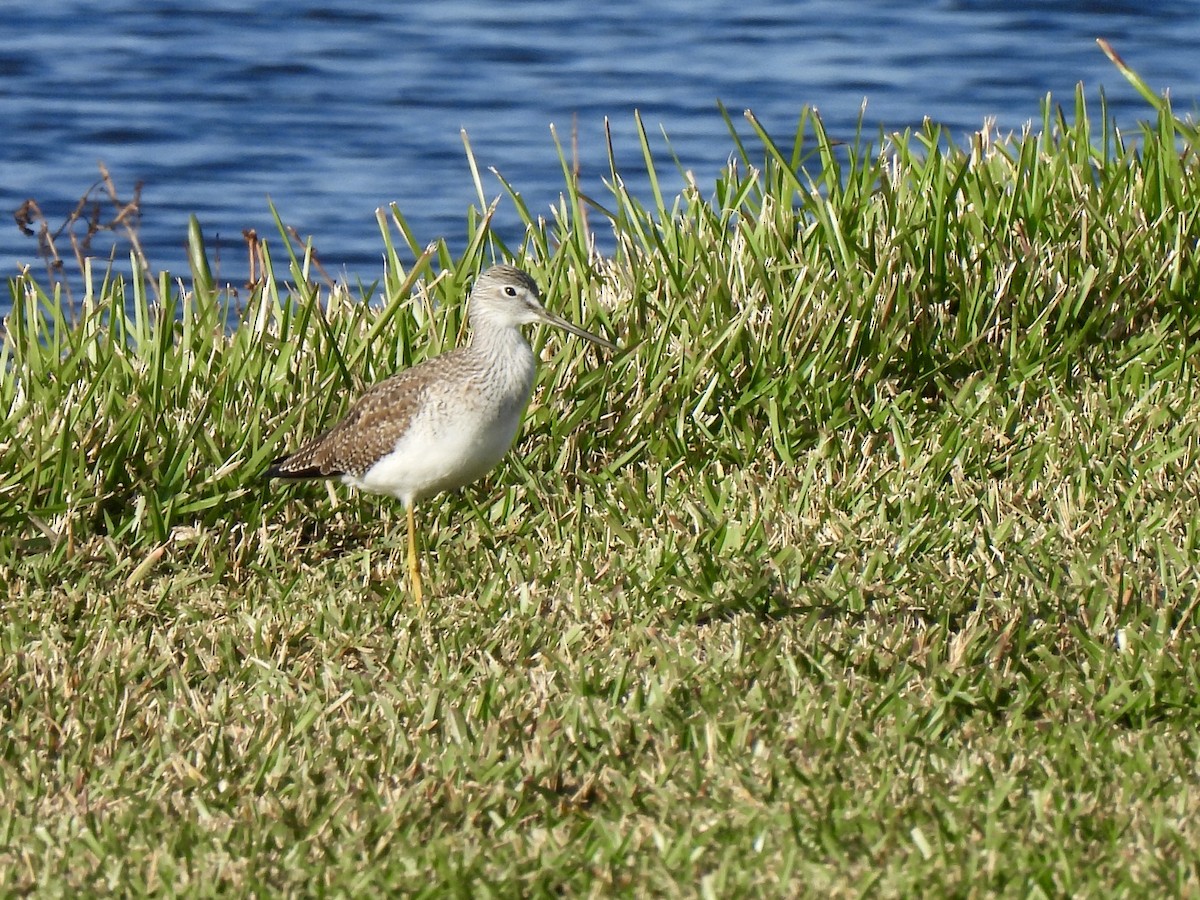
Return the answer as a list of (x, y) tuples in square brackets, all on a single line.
[(506, 296)]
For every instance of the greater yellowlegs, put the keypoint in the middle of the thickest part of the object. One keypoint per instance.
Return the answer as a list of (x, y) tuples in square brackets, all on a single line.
[(446, 422)]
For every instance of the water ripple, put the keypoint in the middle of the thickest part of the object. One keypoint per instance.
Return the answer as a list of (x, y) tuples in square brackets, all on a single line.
[(333, 112)]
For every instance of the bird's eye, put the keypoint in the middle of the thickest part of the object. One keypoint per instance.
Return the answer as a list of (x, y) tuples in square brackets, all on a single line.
[(510, 291)]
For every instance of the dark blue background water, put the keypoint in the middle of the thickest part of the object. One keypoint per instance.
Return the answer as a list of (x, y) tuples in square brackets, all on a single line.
[(333, 109)]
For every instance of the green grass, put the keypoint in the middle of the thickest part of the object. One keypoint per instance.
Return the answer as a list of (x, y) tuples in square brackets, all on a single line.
[(869, 565)]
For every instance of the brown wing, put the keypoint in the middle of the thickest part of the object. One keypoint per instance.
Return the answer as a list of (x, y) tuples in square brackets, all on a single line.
[(370, 429)]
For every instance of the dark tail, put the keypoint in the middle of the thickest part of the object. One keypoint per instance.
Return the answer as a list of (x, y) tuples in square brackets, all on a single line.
[(280, 468)]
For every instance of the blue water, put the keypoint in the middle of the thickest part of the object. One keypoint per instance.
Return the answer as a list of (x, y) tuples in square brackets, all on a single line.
[(333, 109)]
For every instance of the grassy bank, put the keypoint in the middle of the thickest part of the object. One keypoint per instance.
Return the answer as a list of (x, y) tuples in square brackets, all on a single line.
[(868, 564)]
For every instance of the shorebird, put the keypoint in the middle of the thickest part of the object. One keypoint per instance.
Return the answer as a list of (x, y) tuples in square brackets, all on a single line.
[(446, 422)]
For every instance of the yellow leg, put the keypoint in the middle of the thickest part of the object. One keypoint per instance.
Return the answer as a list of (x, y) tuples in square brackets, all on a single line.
[(414, 563)]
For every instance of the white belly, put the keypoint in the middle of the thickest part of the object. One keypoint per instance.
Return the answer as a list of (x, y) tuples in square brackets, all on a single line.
[(443, 450)]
